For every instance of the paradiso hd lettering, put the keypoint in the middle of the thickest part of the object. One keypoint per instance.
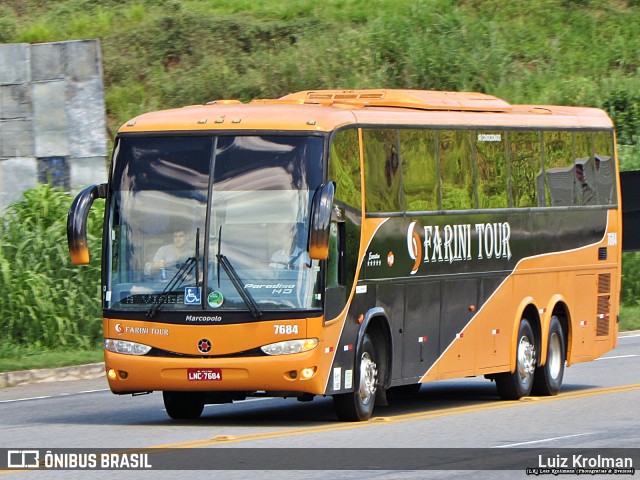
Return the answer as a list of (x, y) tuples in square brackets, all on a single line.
[(454, 243)]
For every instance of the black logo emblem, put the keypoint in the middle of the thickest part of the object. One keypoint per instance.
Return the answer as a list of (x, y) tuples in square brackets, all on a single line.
[(204, 345)]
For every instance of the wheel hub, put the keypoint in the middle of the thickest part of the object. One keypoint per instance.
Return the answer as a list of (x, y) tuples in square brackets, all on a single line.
[(526, 360)]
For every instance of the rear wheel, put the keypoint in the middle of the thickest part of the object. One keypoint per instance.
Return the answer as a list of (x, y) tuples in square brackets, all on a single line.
[(548, 377), (183, 405), (357, 406), (518, 384)]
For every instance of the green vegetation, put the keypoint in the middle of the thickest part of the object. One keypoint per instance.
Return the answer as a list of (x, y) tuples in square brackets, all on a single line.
[(21, 359), (165, 53), (46, 302), (168, 53), (629, 318)]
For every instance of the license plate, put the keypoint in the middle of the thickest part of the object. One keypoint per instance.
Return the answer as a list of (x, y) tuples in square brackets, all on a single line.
[(204, 374)]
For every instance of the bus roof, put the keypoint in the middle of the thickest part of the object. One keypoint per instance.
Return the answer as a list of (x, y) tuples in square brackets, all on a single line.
[(327, 110)]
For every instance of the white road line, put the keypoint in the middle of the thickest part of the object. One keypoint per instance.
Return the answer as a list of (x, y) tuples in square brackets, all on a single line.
[(52, 396), (23, 399), (618, 356), (542, 441), (622, 337)]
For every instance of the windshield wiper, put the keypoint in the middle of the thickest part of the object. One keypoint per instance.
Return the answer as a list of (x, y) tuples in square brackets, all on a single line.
[(197, 258), (184, 270), (235, 280)]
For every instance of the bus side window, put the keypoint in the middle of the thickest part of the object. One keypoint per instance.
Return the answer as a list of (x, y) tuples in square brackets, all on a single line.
[(527, 182), (559, 169), (585, 166), (490, 154), (605, 169), (344, 170), (419, 169), (344, 167), (382, 171), (333, 261), (457, 181), (336, 289)]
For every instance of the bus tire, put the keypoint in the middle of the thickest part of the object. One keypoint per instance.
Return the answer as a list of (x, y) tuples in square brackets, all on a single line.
[(548, 377), (357, 406), (183, 405), (518, 384)]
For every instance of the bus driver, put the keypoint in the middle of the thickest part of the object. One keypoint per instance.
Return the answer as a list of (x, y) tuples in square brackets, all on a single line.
[(169, 258)]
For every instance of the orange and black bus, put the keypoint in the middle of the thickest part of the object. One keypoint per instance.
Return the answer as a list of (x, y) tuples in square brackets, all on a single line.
[(347, 243)]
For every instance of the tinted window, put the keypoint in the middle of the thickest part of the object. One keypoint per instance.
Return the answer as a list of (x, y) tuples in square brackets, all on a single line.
[(267, 163), (527, 179), (585, 169), (419, 169), (382, 171), (344, 167), (163, 164), (257, 219), (490, 153), (559, 169), (605, 175), (456, 170)]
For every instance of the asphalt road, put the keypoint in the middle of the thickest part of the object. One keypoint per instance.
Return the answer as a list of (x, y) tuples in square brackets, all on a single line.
[(597, 408)]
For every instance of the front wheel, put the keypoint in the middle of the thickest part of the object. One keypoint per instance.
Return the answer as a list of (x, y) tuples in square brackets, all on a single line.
[(548, 377), (518, 384), (357, 406), (183, 405)]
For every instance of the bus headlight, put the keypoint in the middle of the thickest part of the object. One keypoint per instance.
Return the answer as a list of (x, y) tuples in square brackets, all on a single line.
[(125, 347), (290, 346)]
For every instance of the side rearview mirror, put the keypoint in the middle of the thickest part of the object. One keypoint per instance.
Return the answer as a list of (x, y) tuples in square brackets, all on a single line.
[(321, 207), (77, 222)]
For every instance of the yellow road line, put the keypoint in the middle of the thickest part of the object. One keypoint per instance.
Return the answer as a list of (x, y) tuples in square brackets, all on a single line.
[(376, 421)]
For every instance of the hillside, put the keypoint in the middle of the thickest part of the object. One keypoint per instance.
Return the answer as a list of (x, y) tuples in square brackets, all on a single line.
[(167, 53), (164, 53)]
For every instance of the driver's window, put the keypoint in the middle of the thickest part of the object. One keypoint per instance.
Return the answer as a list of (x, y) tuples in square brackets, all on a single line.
[(333, 260)]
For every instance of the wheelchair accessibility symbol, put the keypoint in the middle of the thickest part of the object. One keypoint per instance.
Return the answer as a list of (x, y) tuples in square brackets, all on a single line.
[(192, 296)]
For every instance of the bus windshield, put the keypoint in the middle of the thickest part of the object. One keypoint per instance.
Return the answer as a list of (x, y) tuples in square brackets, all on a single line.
[(212, 223)]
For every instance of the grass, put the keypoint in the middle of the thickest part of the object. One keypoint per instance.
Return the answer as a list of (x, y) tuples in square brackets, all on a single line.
[(165, 53), (629, 318), (46, 302), (28, 359)]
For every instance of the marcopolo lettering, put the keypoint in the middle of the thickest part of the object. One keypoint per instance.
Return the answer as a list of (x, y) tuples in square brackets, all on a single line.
[(457, 243), (203, 318)]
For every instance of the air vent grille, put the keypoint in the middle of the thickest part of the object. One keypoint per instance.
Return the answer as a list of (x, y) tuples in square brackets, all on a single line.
[(416, 99), (604, 305), (602, 327), (372, 95), (604, 283)]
